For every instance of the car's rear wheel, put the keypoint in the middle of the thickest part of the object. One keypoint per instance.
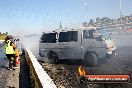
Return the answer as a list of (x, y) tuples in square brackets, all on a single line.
[(52, 58)]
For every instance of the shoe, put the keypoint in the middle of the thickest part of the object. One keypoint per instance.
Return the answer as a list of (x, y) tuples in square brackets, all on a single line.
[(9, 69), (15, 67)]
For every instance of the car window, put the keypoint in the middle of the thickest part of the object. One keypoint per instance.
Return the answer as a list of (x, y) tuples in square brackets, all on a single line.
[(87, 34), (106, 35), (68, 36), (48, 38)]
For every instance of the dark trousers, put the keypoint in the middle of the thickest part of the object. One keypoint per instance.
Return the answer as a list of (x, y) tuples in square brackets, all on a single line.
[(11, 62)]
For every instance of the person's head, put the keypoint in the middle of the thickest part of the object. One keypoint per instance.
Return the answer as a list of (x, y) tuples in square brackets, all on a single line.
[(7, 38)]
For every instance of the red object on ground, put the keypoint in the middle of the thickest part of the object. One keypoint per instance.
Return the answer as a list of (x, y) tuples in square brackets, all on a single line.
[(17, 60)]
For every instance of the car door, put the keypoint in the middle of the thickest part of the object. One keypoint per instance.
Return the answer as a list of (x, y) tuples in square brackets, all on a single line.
[(91, 42), (69, 45)]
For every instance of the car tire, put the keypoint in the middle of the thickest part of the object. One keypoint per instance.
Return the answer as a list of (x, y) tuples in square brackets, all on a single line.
[(52, 58), (91, 59)]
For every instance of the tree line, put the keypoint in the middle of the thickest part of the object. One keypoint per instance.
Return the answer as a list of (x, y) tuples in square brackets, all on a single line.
[(3, 35)]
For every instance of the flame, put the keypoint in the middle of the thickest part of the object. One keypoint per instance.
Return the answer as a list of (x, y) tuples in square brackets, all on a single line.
[(81, 71)]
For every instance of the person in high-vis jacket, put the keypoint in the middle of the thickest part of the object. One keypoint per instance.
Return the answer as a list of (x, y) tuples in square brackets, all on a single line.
[(16, 59), (9, 51)]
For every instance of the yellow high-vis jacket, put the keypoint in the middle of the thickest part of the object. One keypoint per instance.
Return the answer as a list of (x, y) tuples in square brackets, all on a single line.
[(8, 49)]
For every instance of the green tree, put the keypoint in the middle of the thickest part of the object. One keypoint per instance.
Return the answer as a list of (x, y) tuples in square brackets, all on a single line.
[(3, 35), (6, 33)]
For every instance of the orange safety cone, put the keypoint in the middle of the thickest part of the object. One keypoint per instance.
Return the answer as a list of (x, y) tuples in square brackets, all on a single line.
[(17, 60)]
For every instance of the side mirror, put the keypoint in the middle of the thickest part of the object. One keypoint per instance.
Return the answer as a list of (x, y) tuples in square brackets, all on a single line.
[(110, 33)]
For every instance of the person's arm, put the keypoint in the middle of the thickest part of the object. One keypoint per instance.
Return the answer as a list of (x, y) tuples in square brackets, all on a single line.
[(13, 45)]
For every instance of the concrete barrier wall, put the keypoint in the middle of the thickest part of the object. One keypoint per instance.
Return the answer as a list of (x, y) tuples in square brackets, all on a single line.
[(40, 79)]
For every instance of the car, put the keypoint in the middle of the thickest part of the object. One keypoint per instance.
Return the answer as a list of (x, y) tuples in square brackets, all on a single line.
[(88, 44)]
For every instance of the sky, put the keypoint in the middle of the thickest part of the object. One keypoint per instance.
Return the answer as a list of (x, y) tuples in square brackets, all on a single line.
[(22, 17)]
